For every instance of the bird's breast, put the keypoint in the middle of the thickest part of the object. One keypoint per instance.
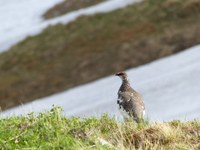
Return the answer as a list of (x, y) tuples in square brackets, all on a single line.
[(124, 113)]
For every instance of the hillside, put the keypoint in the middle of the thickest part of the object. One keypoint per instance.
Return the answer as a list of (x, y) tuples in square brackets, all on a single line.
[(64, 56), (50, 130), (68, 6), (170, 92), (16, 30)]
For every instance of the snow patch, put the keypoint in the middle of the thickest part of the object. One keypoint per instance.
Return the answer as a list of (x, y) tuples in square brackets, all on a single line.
[(170, 87), (20, 20)]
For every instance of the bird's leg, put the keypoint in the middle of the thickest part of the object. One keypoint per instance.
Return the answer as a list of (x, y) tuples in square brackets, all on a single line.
[(140, 120)]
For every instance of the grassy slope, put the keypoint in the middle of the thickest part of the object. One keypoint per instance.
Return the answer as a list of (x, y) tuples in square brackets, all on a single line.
[(68, 6), (63, 56), (51, 130)]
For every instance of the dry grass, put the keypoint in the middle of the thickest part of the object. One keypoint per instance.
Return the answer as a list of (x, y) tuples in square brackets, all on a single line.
[(68, 6), (51, 130), (168, 135)]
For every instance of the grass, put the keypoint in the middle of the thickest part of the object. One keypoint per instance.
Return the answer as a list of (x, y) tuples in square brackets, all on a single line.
[(52, 130), (68, 6), (92, 47)]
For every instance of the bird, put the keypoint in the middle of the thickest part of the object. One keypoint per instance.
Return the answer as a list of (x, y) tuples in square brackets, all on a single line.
[(131, 103)]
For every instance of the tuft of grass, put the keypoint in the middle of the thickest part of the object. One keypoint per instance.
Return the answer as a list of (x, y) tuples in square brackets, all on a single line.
[(68, 6), (52, 130), (64, 56)]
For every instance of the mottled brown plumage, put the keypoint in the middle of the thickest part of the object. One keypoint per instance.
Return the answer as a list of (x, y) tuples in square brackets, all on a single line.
[(130, 102)]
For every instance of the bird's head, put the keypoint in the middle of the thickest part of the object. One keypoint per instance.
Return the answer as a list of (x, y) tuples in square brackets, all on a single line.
[(122, 75)]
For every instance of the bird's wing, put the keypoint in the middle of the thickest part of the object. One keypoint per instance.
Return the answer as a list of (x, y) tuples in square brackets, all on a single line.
[(126, 100), (132, 102), (134, 96), (138, 97)]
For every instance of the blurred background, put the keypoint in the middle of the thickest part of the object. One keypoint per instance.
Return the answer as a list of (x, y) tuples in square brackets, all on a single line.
[(51, 46)]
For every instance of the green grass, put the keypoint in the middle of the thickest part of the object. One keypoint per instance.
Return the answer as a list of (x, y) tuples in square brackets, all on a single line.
[(51, 130), (64, 56)]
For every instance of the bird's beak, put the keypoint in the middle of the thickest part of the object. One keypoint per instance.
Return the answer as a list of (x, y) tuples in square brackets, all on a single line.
[(117, 74)]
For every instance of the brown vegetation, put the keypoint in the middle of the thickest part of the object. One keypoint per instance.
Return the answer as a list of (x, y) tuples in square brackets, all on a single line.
[(68, 6)]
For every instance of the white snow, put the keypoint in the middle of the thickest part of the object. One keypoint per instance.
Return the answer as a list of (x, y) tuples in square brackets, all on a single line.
[(18, 18), (170, 86), (22, 19)]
